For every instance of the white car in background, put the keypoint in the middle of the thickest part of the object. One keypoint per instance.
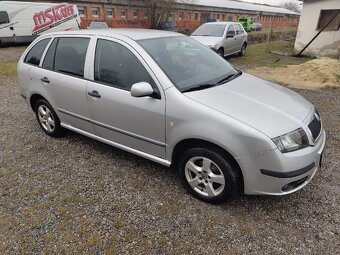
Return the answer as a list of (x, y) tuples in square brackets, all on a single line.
[(226, 38)]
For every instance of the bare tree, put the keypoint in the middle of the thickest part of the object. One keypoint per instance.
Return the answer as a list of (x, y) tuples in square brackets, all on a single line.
[(292, 6), (160, 10)]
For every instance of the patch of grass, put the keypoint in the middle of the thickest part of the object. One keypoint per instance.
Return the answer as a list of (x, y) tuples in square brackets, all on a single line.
[(259, 55), (8, 69), (287, 33)]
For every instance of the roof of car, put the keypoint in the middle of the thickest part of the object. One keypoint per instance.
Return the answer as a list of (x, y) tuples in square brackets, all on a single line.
[(134, 34), (220, 23)]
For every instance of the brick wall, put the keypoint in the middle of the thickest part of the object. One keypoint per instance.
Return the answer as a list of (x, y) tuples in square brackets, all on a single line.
[(184, 20)]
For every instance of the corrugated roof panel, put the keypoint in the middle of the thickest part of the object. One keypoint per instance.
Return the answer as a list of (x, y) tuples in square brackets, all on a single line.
[(239, 5)]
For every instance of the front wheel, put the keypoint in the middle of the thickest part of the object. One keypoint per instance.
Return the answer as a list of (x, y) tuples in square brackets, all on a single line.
[(243, 50), (208, 175)]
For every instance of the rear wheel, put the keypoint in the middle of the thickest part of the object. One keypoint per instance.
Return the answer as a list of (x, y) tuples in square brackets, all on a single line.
[(243, 50), (47, 118), (208, 175)]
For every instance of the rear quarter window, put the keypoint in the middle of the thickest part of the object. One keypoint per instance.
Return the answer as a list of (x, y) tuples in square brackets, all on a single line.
[(34, 55)]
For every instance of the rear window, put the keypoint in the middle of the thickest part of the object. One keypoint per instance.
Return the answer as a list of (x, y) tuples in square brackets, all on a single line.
[(34, 55), (67, 55)]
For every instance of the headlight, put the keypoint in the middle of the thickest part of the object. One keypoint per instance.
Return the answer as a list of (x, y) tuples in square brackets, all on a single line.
[(292, 141)]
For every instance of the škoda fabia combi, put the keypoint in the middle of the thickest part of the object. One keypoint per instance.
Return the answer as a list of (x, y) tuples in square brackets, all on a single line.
[(168, 98)]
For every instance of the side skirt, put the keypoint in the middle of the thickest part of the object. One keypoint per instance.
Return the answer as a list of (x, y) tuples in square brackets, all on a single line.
[(117, 145)]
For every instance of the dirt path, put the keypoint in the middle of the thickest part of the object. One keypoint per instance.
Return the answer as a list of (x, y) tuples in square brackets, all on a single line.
[(314, 74)]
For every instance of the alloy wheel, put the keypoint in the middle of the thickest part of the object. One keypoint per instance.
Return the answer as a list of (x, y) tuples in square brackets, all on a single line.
[(46, 118), (204, 176)]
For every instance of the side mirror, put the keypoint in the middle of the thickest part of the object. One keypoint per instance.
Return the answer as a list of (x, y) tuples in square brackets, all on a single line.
[(230, 35), (141, 89)]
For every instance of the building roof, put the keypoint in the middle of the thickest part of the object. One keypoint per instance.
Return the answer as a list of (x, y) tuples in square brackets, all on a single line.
[(230, 4)]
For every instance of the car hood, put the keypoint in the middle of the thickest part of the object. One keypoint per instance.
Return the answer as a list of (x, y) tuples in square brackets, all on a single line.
[(207, 40), (268, 107)]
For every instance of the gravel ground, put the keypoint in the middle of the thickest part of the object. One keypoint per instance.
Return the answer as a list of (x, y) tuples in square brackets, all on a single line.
[(75, 195)]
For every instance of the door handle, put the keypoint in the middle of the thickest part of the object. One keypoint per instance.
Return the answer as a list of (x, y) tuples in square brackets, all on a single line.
[(11, 28), (45, 80), (94, 93)]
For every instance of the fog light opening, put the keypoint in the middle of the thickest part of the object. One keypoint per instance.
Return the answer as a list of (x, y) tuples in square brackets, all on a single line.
[(293, 185)]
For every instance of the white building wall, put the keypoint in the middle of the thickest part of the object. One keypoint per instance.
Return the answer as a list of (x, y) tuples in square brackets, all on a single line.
[(328, 42)]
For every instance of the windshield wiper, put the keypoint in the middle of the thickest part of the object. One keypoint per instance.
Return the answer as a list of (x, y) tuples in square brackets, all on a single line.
[(229, 77), (199, 87), (209, 85)]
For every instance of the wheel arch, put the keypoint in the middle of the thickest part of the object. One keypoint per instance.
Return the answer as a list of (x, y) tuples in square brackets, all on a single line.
[(34, 98), (186, 144)]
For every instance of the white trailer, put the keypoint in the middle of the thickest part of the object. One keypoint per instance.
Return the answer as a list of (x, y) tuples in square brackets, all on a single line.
[(22, 22)]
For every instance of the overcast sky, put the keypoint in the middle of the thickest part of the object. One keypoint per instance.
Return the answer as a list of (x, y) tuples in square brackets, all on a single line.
[(271, 2)]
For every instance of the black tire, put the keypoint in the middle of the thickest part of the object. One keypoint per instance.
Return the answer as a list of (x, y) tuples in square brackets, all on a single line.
[(220, 164), (243, 50), (220, 52), (54, 130)]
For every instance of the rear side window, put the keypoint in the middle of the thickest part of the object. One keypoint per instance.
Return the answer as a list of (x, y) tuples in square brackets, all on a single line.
[(239, 29), (34, 55), (69, 55), (117, 66)]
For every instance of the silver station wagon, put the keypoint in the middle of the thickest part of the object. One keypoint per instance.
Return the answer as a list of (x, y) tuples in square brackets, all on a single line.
[(225, 38), (168, 98)]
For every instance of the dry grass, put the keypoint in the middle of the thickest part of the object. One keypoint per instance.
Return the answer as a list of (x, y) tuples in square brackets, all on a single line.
[(8, 69)]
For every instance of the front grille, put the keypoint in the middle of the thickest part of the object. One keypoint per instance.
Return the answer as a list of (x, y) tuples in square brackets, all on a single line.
[(315, 127)]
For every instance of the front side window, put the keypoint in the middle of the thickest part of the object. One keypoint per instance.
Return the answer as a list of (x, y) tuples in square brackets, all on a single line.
[(209, 30), (70, 56), (34, 55), (231, 31), (4, 19), (117, 66), (186, 62)]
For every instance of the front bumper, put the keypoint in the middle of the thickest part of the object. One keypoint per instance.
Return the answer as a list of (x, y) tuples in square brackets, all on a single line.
[(277, 173)]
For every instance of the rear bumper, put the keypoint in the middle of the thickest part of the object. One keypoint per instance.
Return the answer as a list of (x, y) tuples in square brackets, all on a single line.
[(276, 173)]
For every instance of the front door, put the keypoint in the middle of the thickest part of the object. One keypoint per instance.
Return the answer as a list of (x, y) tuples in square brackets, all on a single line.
[(230, 41), (7, 34), (137, 123)]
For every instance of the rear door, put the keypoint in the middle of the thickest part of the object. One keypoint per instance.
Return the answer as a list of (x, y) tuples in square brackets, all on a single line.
[(138, 123), (62, 80), (240, 37)]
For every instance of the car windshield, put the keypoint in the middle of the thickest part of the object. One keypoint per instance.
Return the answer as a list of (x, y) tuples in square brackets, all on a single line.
[(210, 30), (187, 63), (97, 25)]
